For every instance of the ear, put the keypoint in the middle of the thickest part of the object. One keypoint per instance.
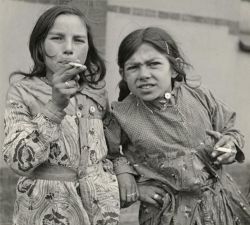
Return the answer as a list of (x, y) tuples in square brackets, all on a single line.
[(121, 71), (173, 74), (179, 61)]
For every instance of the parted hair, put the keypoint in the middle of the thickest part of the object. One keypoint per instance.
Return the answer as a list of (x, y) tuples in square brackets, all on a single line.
[(94, 62), (162, 42)]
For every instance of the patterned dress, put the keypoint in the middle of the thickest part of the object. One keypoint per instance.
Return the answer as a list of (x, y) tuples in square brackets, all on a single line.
[(169, 147), (65, 177)]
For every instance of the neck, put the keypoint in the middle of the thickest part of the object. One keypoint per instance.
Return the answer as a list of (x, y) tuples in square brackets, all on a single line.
[(46, 80)]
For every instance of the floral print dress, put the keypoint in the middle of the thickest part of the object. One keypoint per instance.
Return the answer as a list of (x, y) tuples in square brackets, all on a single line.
[(65, 177)]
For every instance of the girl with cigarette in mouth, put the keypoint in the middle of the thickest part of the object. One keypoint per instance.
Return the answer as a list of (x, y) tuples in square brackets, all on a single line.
[(53, 128)]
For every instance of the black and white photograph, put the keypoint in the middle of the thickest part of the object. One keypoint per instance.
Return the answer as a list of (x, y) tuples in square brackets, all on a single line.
[(125, 112)]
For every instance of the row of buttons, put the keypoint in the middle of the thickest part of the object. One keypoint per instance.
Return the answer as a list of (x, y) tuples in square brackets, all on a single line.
[(92, 110)]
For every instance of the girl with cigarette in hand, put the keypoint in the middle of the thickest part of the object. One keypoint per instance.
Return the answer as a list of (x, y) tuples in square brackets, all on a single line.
[(175, 138), (54, 135)]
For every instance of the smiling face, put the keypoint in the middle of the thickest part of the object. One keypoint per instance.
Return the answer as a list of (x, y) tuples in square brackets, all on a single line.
[(66, 42), (148, 73)]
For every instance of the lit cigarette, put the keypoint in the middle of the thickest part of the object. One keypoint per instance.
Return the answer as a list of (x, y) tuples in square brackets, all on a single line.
[(78, 65), (221, 149)]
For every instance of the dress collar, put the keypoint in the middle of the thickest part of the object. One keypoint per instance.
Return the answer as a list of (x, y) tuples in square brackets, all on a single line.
[(162, 104), (95, 91)]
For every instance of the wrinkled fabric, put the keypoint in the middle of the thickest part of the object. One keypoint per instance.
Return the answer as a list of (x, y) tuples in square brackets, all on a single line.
[(167, 147), (77, 143)]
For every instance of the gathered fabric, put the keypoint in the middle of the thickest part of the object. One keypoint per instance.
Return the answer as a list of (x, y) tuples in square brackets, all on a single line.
[(171, 147)]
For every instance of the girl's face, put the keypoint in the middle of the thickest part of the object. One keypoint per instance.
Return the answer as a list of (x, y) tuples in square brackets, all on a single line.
[(66, 42), (148, 73)]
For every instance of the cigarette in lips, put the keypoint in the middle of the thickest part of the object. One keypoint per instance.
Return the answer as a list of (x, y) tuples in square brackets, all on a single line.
[(221, 149), (78, 65)]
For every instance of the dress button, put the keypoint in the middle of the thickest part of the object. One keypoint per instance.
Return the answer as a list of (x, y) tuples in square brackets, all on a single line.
[(80, 174), (162, 166), (167, 95), (92, 109), (197, 181), (184, 167), (80, 106), (79, 114), (100, 107)]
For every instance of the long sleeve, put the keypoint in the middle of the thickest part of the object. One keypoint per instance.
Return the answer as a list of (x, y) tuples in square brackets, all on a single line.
[(223, 121), (27, 137), (118, 144)]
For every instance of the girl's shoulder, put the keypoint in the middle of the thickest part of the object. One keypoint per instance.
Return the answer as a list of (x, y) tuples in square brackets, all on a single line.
[(18, 81), (22, 87), (129, 103), (203, 95), (200, 91), (97, 92)]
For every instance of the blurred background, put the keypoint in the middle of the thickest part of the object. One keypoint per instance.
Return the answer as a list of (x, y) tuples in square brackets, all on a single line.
[(214, 36)]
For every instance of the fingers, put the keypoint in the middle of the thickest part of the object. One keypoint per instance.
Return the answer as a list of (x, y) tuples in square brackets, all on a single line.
[(128, 189), (67, 72), (152, 195), (226, 158), (159, 195), (68, 88), (215, 134), (71, 84), (224, 149), (159, 199), (156, 200), (131, 196), (225, 141)]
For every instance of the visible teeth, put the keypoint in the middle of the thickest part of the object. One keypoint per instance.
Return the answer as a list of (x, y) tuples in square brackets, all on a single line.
[(146, 86)]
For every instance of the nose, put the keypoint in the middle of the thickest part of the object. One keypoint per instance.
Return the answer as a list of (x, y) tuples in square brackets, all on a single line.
[(68, 48), (144, 72)]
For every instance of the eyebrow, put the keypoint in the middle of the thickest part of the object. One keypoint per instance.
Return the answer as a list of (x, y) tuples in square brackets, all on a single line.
[(62, 34), (138, 63)]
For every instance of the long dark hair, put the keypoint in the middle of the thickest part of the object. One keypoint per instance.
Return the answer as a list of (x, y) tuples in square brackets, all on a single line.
[(162, 42), (94, 62)]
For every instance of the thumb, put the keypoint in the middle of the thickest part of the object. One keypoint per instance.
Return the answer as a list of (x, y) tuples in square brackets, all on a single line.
[(215, 134)]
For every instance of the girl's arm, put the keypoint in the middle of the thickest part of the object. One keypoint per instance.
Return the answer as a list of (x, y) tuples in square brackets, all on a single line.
[(125, 173), (224, 131), (27, 137)]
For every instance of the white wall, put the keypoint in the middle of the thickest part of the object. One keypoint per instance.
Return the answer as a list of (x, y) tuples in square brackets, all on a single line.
[(17, 19), (211, 49), (224, 9)]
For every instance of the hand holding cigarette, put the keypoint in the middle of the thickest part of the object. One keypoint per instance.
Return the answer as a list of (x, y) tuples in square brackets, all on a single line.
[(223, 149)]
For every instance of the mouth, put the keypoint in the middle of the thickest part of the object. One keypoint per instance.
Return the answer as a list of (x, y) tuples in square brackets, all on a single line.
[(67, 61), (145, 86)]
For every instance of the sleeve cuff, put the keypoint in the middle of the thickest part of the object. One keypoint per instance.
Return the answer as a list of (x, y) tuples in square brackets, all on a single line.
[(52, 112), (240, 156), (122, 165), (239, 143)]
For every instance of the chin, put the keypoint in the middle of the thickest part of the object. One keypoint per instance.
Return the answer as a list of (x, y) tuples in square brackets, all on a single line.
[(147, 98)]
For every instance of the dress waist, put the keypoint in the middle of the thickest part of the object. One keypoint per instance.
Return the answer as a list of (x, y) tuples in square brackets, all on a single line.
[(63, 173), (54, 172)]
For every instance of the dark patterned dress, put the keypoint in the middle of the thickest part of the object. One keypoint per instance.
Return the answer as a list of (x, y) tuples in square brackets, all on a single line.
[(170, 147), (65, 177)]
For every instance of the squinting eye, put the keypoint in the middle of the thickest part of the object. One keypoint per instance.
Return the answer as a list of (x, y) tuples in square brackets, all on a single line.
[(132, 68), (56, 38), (154, 63), (80, 41)]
